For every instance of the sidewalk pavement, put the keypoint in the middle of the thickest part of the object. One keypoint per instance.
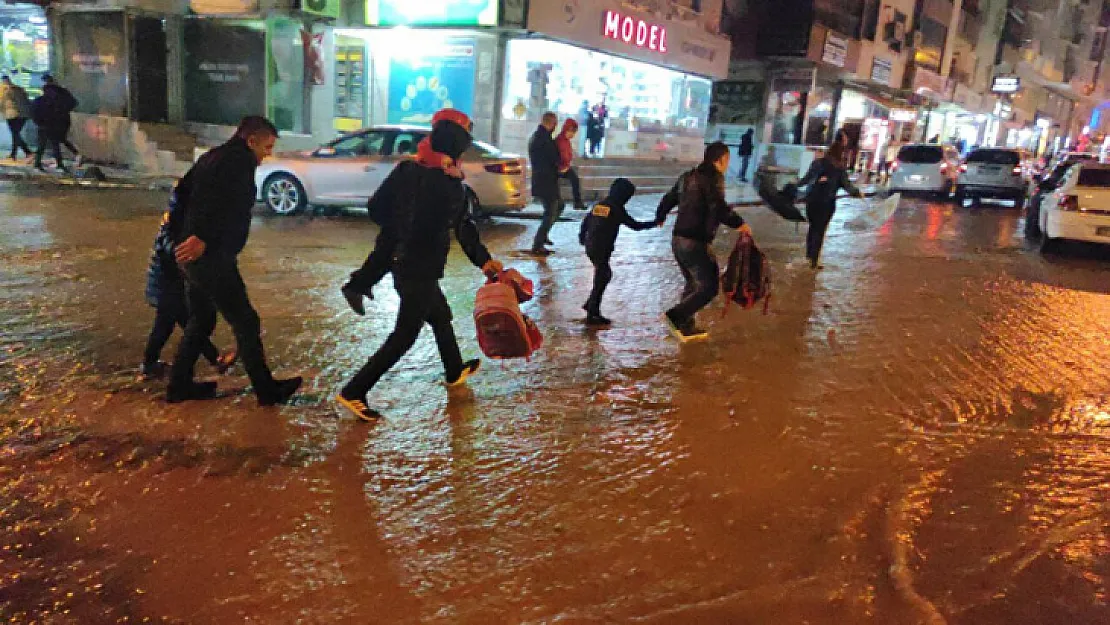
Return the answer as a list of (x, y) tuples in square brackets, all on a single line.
[(741, 195), (23, 170)]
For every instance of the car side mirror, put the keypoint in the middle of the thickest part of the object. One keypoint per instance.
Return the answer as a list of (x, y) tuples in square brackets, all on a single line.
[(325, 152)]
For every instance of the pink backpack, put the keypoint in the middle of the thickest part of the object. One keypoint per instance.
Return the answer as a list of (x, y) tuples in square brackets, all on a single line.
[(503, 331)]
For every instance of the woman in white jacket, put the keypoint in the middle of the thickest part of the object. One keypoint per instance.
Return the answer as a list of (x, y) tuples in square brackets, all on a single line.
[(17, 108)]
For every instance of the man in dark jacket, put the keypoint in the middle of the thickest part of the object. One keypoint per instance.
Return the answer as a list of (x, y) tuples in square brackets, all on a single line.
[(599, 234), (544, 155), (51, 113), (418, 206), (825, 178), (216, 226), (747, 146), (699, 195)]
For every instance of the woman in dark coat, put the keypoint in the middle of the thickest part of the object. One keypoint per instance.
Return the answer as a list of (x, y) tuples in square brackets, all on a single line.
[(826, 176)]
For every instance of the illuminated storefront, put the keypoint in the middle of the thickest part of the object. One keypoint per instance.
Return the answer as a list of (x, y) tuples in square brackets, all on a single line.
[(26, 45)]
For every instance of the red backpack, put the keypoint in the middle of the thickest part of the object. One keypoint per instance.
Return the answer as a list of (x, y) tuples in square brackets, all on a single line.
[(504, 331)]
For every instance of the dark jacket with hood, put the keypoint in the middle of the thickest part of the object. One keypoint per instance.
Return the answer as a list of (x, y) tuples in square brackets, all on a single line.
[(418, 207), (221, 198), (163, 275), (51, 109), (699, 195), (544, 156), (825, 178), (600, 228)]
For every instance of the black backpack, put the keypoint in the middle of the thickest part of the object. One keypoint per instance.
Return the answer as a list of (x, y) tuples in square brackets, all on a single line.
[(747, 277)]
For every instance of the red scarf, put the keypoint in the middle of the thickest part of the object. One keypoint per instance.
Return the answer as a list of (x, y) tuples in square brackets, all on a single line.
[(428, 157)]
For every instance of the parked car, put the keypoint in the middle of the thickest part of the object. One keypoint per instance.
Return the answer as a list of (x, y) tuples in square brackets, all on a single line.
[(925, 167), (1047, 184), (347, 171), (995, 173), (1079, 208)]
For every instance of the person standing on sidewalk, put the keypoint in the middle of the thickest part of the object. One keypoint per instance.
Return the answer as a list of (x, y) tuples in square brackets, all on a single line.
[(544, 156), (747, 146), (699, 195), (17, 108), (826, 176), (51, 112), (566, 157), (216, 226), (418, 206)]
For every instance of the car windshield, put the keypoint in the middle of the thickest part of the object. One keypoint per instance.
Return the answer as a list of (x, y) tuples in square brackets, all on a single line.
[(920, 154), (1094, 177), (995, 157)]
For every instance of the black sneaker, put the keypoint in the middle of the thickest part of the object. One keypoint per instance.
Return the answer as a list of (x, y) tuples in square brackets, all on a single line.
[(598, 321), (152, 370), (354, 298), (283, 391), (358, 408), (196, 391), (470, 367)]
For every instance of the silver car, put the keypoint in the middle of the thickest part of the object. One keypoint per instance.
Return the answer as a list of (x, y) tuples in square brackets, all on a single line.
[(347, 171), (996, 173), (928, 168)]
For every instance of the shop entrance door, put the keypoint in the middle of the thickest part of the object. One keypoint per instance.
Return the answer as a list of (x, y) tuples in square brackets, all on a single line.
[(149, 81)]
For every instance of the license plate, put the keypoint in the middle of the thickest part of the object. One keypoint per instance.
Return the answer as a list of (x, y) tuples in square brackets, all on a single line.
[(917, 178), (1102, 231)]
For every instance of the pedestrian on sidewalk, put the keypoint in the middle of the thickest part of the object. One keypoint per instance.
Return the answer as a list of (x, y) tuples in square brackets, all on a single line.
[(418, 206), (699, 195), (51, 112), (216, 226), (17, 108), (747, 146), (165, 291), (544, 156), (566, 156), (826, 176), (598, 234)]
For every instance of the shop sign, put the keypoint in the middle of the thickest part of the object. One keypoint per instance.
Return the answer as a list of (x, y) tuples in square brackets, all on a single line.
[(325, 8), (635, 31), (881, 70), (438, 77), (1005, 84), (793, 79), (225, 71), (903, 115), (431, 12), (224, 7), (836, 50)]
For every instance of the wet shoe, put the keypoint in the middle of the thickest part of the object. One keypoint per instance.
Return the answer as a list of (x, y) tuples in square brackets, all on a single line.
[(685, 331), (598, 321), (197, 391), (226, 361), (358, 408), (354, 298), (470, 367), (283, 391), (152, 371)]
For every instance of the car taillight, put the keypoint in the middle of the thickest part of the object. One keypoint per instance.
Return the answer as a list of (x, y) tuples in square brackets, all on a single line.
[(943, 167), (507, 169), (1017, 170), (963, 168), (1068, 203), (894, 166)]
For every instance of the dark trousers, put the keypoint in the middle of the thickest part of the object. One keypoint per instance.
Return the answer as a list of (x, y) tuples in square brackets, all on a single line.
[(172, 311), (595, 145), (603, 274), (422, 302), (571, 175), (552, 208), (701, 272), (215, 285), (16, 128), (745, 161), (55, 138), (819, 215)]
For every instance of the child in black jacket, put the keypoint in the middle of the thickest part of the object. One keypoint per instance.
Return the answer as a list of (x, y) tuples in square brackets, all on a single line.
[(599, 234), (165, 292)]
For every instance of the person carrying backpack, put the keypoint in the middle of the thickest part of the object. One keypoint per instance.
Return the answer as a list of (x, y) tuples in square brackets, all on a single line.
[(699, 195), (598, 234), (825, 177), (165, 292), (418, 206), (51, 112)]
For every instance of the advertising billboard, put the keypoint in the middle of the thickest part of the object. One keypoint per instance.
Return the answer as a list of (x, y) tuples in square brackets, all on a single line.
[(431, 12), (440, 76)]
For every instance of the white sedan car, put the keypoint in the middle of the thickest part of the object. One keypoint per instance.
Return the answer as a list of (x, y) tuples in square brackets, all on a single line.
[(347, 171), (1079, 208)]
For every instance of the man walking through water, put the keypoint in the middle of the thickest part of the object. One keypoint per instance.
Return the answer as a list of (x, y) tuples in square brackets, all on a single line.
[(544, 155), (418, 206), (217, 223)]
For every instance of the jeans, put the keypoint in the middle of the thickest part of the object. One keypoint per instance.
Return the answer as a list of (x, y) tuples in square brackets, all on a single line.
[(603, 274), (571, 176), (16, 128), (745, 160), (172, 311), (422, 302), (552, 208), (701, 272), (819, 215), (215, 285)]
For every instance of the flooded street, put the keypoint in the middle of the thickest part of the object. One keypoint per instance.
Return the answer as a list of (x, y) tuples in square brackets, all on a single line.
[(918, 434)]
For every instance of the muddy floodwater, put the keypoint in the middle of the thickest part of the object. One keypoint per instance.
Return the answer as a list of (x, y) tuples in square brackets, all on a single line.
[(918, 434)]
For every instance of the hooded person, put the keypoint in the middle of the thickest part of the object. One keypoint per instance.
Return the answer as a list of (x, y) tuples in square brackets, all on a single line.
[(566, 157), (598, 234), (418, 206)]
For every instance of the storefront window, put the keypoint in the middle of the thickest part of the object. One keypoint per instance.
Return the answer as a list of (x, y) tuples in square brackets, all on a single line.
[(786, 109), (26, 45), (225, 70), (819, 104)]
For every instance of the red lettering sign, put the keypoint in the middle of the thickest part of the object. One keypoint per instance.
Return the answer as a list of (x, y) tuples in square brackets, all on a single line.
[(634, 31)]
